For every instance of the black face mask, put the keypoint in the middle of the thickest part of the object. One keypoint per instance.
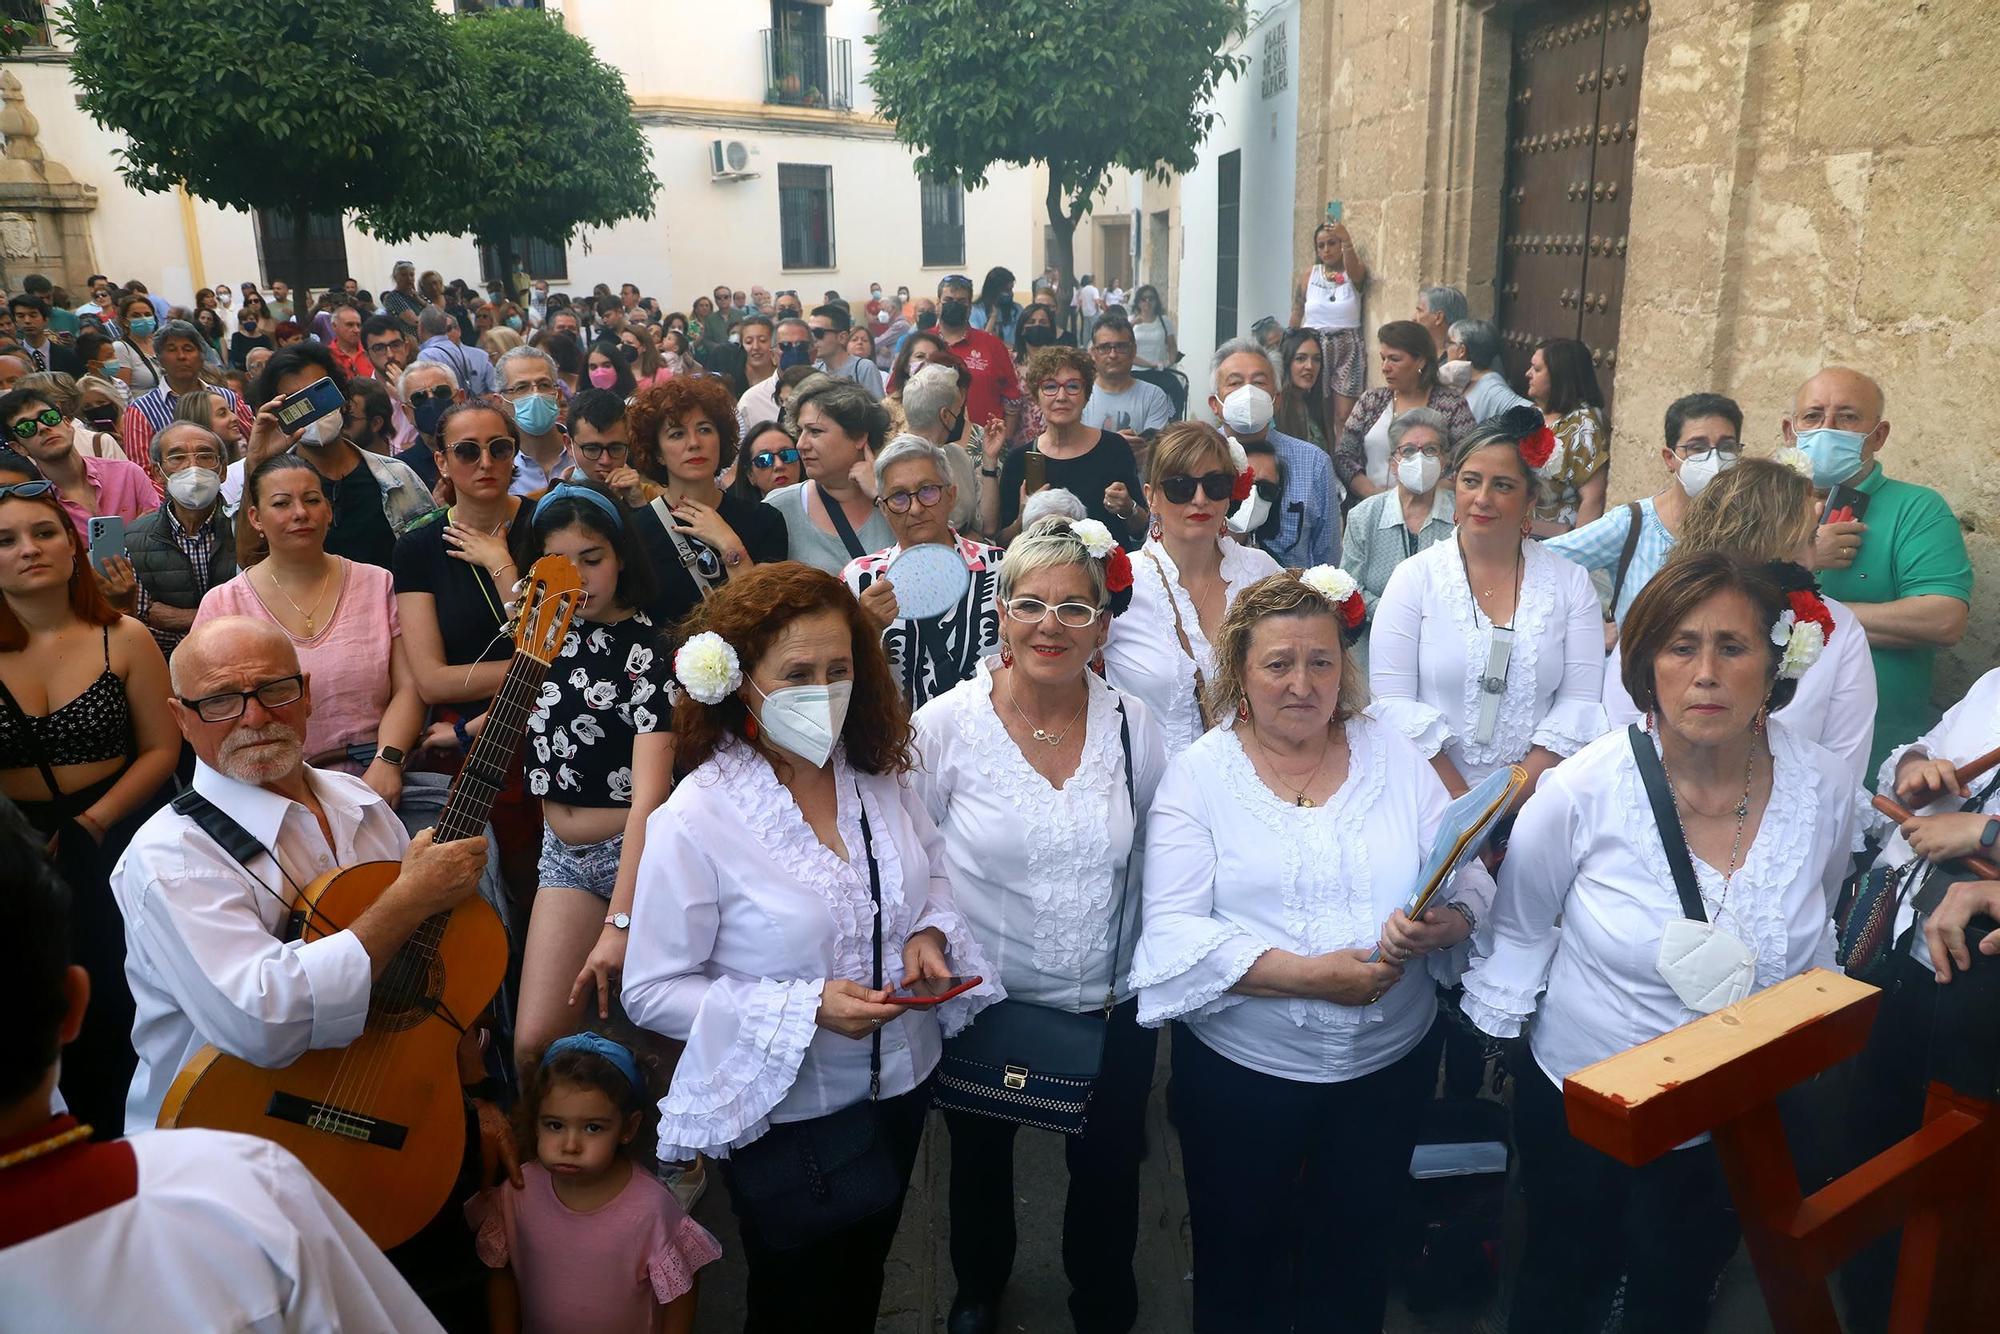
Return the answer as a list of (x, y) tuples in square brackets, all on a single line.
[(793, 354), (954, 312), (1038, 335), (926, 319), (957, 430), (104, 416)]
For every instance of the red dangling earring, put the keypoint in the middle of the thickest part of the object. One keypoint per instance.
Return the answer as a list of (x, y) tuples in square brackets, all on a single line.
[(1757, 725), (1006, 657), (1243, 709), (749, 726), (1153, 529)]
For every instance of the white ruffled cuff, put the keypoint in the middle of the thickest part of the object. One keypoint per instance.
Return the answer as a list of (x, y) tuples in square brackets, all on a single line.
[(1195, 982), (1488, 1019), (962, 952), (1423, 725), (1501, 989), (1569, 726), (743, 1054)]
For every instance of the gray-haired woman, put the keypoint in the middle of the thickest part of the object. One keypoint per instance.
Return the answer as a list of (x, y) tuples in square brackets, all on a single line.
[(830, 517), (1391, 526), (1038, 775)]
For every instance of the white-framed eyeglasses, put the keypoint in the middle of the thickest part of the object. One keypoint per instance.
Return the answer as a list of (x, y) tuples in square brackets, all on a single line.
[(1031, 611)]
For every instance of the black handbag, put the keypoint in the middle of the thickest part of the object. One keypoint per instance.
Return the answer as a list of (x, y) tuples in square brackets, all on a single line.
[(1030, 1064), (803, 1181), (1864, 914)]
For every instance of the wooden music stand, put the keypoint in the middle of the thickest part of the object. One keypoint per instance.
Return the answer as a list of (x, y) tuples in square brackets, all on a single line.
[(1723, 1074)]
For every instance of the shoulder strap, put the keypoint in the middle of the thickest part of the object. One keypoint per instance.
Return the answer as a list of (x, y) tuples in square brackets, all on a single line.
[(1625, 554), (243, 848), (840, 523), (682, 547), (1125, 888), (1672, 839), (1187, 646), (875, 894), (31, 740)]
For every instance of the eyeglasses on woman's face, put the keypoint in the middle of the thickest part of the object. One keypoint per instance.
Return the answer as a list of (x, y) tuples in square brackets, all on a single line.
[(771, 458), (1074, 615), (468, 451), (1180, 488), (927, 495), (1062, 388), (1698, 450), (220, 708), (1418, 452)]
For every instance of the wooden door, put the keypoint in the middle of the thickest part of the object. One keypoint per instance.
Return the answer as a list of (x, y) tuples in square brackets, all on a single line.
[(1573, 120)]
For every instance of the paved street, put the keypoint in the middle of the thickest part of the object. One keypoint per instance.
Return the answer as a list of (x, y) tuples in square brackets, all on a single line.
[(919, 1288)]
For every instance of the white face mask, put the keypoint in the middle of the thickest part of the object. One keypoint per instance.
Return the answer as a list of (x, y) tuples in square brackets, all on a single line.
[(1419, 474), (806, 720), (1248, 410), (1706, 966), (1250, 514), (194, 487), (324, 431), (1695, 474)]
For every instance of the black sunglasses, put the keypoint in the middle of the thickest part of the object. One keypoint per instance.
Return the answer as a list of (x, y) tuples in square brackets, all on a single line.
[(765, 458), (1179, 489), (789, 346), (26, 428), (1268, 489), (437, 393), (468, 451)]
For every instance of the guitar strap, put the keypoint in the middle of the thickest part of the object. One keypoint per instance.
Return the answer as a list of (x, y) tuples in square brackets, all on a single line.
[(242, 847)]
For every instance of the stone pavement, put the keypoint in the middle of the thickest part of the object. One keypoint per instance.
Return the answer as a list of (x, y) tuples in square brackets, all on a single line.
[(918, 1291)]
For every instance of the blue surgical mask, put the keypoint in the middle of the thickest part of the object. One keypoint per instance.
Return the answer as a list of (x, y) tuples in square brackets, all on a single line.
[(142, 325), (535, 413), (513, 321), (1835, 455)]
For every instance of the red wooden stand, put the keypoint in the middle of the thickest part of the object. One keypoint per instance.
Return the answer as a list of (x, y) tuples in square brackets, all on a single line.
[(1723, 1074)]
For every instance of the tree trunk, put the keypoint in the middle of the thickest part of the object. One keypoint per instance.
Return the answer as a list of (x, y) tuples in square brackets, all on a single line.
[(302, 290), (1062, 249)]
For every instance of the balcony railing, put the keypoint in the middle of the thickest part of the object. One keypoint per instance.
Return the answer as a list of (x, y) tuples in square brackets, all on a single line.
[(807, 70)]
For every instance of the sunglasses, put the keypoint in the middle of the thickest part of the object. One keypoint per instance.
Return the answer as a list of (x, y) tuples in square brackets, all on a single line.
[(440, 393), (927, 495), (768, 458), (468, 451), (26, 490), (26, 428), (794, 347), (1268, 489), (1179, 489)]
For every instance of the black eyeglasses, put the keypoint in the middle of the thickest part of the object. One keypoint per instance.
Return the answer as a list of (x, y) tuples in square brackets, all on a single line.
[(468, 451), (439, 393), (26, 428), (766, 458), (26, 490), (595, 451), (927, 495), (1179, 489), (231, 703)]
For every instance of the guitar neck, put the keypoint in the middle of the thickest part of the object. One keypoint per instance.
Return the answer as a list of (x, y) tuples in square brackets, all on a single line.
[(494, 751)]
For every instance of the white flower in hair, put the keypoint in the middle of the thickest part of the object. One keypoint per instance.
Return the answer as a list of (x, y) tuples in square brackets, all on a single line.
[(1096, 538), (1239, 461), (707, 666), (1796, 459), (1799, 644), (1330, 582)]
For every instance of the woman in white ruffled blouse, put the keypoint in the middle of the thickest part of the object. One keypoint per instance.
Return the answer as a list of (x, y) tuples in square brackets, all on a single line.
[(1183, 579), (1024, 769), (1768, 819), (1281, 848), (1432, 659), (753, 922)]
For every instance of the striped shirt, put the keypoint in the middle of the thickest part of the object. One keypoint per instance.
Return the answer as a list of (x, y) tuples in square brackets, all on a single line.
[(1598, 544), (153, 410)]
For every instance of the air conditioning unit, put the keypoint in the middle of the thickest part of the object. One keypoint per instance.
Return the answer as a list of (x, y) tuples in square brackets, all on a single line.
[(729, 160)]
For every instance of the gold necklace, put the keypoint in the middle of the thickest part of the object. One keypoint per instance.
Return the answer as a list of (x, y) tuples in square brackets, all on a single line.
[(1042, 734), (1299, 797), (43, 1148), (324, 580)]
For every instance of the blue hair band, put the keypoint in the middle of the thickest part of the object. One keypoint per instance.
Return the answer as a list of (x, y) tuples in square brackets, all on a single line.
[(599, 1045), (571, 491)]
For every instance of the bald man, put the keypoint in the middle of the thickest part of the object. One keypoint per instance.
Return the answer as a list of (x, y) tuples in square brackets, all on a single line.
[(205, 936), (1898, 562), (12, 368)]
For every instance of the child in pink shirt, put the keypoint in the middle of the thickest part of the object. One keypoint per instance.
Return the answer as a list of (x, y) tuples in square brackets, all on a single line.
[(590, 1244)]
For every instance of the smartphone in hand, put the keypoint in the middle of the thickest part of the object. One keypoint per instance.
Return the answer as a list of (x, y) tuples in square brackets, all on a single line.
[(1844, 504), (933, 990), (1035, 469), (107, 539)]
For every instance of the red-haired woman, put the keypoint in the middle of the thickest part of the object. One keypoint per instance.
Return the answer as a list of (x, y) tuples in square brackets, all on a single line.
[(757, 939), (86, 746), (683, 437)]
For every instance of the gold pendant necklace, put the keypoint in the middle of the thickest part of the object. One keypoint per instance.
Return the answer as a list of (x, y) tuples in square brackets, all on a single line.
[(318, 598), (1299, 797), (1042, 734)]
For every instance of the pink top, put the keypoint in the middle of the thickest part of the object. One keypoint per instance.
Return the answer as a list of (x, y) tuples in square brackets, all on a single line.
[(596, 1273), (123, 488), (347, 659)]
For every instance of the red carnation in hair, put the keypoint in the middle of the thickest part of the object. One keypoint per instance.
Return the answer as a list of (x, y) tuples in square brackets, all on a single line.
[(1117, 571), (1352, 610), (1536, 448), (1244, 481), (1808, 607)]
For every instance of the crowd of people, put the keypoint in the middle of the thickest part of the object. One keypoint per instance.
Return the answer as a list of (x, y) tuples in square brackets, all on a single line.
[(951, 706)]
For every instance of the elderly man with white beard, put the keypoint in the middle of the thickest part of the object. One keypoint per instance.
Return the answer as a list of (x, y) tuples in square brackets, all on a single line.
[(206, 951)]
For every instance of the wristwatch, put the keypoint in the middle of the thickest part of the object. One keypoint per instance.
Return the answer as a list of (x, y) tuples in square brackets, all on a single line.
[(392, 754), (1989, 835), (621, 920), (988, 472)]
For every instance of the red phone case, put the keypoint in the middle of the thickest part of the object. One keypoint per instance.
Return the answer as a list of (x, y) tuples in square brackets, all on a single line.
[(959, 990)]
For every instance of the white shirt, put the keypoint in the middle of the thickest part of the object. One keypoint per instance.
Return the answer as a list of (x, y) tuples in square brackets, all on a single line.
[(202, 949), (1331, 305), (1833, 705), (1375, 444), (1968, 729), (1088, 301), (759, 404), (1233, 869), (1143, 656), (741, 916), (1149, 339), (225, 1233), (1488, 395), (1427, 659), (1586, 852), (1042, 873)]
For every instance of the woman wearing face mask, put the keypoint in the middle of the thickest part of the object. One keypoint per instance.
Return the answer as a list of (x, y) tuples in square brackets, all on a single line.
[(100, 357), (1766, 818), (648, 367), (1409, 380), (1486, 649), (1184, 579), (1563, 384), (918, 349), (1633, 541), (250, 333), (138, 320), (608, 367), (1416, 514), (1300, 411), (767, 461), (757, 939), (1036, 329), (100, 406)]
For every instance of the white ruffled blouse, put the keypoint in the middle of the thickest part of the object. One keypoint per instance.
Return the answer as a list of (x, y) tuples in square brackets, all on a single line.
[(1586, 852), (1233, 869), (740, 918), (1427, 660), (1143, 656), (1040, 871)]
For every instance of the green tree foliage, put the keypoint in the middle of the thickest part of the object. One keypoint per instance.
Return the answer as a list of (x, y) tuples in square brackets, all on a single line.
[(278, 104), (558, 147), (1080, 85)]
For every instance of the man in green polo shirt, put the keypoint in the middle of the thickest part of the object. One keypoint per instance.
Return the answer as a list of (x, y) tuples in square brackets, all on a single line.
[(1902, 570)]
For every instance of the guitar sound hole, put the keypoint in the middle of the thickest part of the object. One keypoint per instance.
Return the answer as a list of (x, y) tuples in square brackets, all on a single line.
[(404, 995)]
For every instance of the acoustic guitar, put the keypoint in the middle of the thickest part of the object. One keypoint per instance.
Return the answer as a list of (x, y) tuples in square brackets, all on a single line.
[(381, 1122)]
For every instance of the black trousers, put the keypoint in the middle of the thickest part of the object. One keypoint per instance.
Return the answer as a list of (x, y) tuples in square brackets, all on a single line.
[(835, 1286), (1101, 1211), (1293, 1189), (1668, 1226)]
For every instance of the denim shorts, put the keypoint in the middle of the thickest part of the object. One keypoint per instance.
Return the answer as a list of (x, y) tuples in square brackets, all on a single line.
[(591, 866)]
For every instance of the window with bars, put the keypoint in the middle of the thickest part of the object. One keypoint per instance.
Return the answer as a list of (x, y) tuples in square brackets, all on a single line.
[(539, 258), (1228, 205), (805, 216), (326, 248), (942, 207)]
